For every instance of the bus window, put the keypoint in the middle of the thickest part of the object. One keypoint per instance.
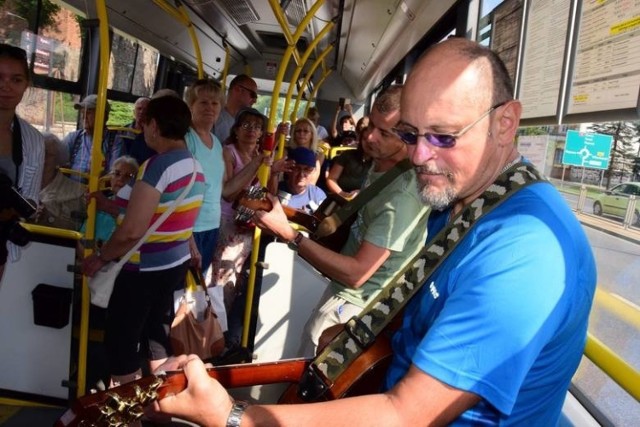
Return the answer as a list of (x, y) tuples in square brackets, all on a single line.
[(49, 111), (57, 43), (132, 66)]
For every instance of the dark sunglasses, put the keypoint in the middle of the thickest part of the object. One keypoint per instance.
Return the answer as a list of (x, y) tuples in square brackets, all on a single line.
[(252, 93), (12, 51), (410, 135)]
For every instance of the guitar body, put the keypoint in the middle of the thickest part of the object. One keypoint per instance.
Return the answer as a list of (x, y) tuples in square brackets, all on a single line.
[(364, 376), (255, 199)]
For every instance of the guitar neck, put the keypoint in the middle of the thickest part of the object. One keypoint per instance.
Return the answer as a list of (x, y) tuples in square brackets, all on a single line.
[(310, 222), (242, 375), (122, 401)]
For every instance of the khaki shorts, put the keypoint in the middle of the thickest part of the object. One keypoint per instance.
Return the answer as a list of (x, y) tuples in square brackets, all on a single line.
[(331, 310)]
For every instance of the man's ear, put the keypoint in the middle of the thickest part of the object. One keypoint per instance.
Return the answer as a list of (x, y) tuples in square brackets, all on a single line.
[(508, 120)]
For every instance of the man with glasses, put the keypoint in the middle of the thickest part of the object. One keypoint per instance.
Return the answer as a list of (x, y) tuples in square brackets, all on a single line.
[(242, 93), (388, 231), (497, 331)]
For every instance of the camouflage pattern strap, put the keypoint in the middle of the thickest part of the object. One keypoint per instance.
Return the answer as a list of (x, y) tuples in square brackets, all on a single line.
[(360, 331)]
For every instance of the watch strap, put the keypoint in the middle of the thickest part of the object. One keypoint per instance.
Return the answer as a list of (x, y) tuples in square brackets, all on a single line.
[(235, 416), (295, 243)]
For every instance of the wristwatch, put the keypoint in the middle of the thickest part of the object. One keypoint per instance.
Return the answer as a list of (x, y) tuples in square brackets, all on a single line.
[(98, 253), (235, 416), (294, 244)]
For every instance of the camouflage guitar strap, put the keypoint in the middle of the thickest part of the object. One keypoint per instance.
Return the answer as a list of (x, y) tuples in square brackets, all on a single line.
[(361, 331)]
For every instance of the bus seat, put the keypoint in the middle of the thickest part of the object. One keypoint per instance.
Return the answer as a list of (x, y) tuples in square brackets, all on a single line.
[(291, 288), (335, 151)]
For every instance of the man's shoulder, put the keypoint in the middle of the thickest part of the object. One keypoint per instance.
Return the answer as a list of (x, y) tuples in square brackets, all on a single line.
[(72, 136)]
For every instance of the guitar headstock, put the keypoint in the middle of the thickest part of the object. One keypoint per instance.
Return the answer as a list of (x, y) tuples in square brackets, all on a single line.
[(251, 200), (115, 407)]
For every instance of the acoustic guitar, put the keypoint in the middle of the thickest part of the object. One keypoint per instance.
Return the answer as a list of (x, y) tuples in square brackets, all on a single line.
[(122, 405), (254, 199)]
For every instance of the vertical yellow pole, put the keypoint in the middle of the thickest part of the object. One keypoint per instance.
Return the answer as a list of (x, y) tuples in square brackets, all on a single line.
[(94, 175)]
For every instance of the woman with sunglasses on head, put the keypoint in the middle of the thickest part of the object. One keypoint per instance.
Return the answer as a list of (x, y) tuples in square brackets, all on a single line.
[(242, 158), (21, 145)]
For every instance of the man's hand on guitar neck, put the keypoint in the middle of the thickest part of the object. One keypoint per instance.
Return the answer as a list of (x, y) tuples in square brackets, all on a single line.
[(212, 400), (275, 221)]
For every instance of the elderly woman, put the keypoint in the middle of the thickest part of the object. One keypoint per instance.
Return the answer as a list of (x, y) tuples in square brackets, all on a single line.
[(123, 171), (142, 298), (242, 158), (205, 99)]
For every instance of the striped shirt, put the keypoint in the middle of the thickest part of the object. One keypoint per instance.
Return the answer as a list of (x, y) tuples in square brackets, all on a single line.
[(168, 246), (30, 173)]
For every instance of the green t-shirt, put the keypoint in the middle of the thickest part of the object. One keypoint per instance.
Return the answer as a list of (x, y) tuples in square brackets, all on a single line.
[(395, 219)]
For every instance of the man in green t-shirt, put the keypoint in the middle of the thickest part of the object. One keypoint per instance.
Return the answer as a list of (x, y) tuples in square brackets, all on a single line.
[(388, 231)]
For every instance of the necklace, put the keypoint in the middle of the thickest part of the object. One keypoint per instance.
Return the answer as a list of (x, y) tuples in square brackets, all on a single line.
[(511, 163)]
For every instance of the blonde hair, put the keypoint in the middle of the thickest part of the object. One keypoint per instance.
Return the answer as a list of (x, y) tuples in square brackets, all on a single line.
[(314, 132)]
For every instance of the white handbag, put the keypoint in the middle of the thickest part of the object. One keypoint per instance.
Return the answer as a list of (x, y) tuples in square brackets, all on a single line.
[(101, 284)]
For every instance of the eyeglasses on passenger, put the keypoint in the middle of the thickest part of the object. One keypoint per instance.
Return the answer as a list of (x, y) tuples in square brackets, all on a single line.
[(410, 135)]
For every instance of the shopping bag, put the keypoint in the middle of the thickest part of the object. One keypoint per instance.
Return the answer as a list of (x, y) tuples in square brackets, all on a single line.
[(190, 334), (101, 284), (63, 203)]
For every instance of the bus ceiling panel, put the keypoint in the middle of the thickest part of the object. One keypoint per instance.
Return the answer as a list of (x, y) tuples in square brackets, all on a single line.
[(147, 22), (378, 34), (250, 26)]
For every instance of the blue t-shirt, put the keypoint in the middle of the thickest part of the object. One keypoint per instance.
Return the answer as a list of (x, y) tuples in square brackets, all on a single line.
[(505, 315), (308, 201), (213, 167)]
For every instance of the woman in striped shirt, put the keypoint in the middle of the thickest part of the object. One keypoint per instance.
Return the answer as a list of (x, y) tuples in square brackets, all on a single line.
[(142, 298)]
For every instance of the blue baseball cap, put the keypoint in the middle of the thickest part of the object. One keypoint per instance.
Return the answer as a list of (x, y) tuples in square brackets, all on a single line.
[(303, 156)]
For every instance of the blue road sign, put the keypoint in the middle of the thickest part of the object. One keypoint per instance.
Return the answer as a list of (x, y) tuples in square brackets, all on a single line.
[(589, 150)]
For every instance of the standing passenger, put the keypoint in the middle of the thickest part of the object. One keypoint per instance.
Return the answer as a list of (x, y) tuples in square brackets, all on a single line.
[(204, 98), (242, 158), (21, 145), (142, 298), (242, 93), (80, 142), (314, 115)]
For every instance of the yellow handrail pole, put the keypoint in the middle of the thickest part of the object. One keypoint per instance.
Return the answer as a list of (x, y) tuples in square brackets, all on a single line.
[(194, 39), (312, 69), (180, 14), (292, 39), (225, 70), (263, 176), (96, 168), (620, 307), (613, 365), (298, 69), (263, 171), (315, 89), (170, 10)]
